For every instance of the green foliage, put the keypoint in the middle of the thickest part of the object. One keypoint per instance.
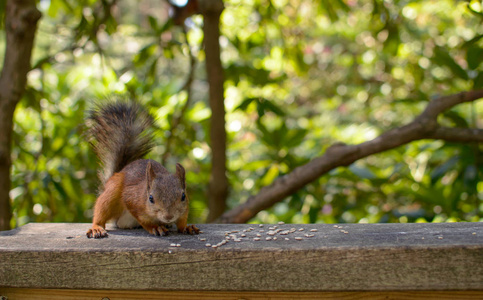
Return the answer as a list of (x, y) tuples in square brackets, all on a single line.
[(300, 75)]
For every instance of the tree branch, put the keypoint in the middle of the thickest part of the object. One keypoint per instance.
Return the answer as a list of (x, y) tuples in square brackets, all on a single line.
[(20, 25), (424, 126)]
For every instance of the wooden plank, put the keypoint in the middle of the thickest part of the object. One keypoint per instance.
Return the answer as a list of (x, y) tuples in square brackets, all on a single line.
[(43, 294), (369, 257)]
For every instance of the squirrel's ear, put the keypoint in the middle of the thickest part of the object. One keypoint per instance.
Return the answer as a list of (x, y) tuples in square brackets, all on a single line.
[(180, 172), (149, 175)]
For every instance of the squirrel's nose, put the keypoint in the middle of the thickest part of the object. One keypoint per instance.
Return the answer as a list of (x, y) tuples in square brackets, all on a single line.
[(168, 217)]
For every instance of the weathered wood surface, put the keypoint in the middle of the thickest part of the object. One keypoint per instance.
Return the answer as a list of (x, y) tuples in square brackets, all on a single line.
[(369, 257), (43, 294)]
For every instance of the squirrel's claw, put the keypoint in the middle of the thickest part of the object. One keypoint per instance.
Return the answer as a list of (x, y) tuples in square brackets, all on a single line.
[(96, 232), (190, 229), (160, 230)]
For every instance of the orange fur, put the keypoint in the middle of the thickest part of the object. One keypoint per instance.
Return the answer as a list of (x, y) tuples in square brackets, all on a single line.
[(108, 205)]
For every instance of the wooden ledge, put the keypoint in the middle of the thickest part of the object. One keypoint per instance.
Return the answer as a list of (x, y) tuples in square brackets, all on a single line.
[(355, 257)]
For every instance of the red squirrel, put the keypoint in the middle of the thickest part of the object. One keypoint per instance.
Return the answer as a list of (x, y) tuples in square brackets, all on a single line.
[(134, 191)]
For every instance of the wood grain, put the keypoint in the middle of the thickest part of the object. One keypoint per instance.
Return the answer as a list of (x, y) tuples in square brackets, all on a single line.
[(40, 294), (369, 257)]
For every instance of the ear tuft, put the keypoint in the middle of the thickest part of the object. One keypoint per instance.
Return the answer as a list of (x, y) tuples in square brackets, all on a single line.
[(180, 172)]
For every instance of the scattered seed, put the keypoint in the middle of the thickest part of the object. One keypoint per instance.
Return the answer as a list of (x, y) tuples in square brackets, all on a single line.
[(256, 239), (440, 237), (172, 245), (258, 234), (234, 231), (178, 245), (170, 251), (287, 239), (208, 245), (224, 242), (202, 231), (422, 238), (275, 238), (214, 246), (251, 228), (261, 230), (202, 239), (301, 229), (227, 238), (271, 232), (474, 233), (335, 226), (309, 235), (284, 232), (243, 235), (268, 238), (313, 230), (298, 238), (281, 223), (260, 225)]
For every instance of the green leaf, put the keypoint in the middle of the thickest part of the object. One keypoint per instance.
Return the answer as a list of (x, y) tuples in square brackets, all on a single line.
[(443, 58), (474, 57), (442, 169), (478, 81), (361, 172), (153, 23)]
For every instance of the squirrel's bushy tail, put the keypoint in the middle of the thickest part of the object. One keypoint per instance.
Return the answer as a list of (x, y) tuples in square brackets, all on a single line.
[(120, 131)]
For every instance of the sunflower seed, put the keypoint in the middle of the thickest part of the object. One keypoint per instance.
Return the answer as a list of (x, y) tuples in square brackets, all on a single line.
[(313, 230), (208, 245), (298, 238)]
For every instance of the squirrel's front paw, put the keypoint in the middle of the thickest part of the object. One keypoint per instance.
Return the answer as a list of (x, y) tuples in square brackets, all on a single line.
[(160, 230), (190, 229), (96, 232)]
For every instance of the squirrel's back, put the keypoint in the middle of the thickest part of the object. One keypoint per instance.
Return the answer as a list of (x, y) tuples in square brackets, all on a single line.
[(120, 132)]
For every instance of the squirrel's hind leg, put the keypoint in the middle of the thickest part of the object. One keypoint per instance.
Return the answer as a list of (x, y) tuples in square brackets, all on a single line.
[(108, 206)]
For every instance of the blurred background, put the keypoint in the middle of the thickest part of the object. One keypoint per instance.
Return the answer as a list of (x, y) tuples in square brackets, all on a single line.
[(299, 75)]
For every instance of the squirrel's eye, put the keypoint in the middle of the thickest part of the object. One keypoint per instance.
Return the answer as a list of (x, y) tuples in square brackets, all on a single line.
[(151, 199), (183, 197)]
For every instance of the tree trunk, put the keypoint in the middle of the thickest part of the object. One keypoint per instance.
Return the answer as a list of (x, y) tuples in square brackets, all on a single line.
[(20, 26), (218, 186)]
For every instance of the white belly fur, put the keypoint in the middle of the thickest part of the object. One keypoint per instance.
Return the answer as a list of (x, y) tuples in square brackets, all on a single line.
[(127, 220)]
